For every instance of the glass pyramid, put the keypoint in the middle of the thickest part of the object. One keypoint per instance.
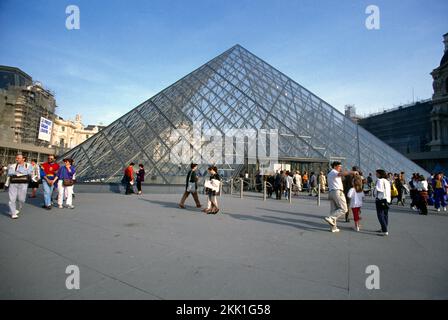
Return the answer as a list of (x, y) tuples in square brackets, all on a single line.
[(234, 90)]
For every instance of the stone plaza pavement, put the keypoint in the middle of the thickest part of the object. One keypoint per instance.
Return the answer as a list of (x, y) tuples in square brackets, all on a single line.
[(145, 247)]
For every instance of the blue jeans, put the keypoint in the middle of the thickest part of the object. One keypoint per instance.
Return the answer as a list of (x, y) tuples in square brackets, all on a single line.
[(48, 191), (439, 198), (382, 212)]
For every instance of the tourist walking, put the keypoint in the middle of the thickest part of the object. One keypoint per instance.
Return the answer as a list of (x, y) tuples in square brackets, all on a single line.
[(49, 178), (439, 185), (66, 180), (35, 178), (356, 195), (297, 179), (277, 185), (140, 177), (322, 182), (191, 187), (413, 191), (258, 182), (289, 181), (422, 201), (270, 185), (336, 195), (212, 189), (313, 184), (347, 182), (19, 177), (305, 182), (382, 200)]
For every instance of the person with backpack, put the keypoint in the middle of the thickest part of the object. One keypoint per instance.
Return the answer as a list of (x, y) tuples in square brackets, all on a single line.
[(19, 177)]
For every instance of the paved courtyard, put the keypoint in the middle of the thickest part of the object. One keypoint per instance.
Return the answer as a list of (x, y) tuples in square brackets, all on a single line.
[(144, 247)]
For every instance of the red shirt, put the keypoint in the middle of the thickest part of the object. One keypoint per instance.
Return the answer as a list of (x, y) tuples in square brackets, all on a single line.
[(129, 172), (50, 169)]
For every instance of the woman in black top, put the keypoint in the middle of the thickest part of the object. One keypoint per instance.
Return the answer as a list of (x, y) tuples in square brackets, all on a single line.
[(191, 186), (212, 202), (140, 178)]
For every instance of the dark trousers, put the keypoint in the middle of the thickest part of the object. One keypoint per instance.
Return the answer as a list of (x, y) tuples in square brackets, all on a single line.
[(139, 186), (129, 188), (278, 192), (414, 197), (439, 198), (195, 197), (422, 203), (382, 212)]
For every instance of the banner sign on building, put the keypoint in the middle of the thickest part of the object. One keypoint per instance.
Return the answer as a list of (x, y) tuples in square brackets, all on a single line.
[(45, 128)]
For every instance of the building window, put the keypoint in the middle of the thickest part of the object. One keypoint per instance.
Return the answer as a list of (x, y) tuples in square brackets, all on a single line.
[(61, 142), (62, 129), (87, 136)]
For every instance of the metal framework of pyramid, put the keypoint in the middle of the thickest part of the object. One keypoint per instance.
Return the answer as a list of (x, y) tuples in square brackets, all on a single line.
[(234, 90)]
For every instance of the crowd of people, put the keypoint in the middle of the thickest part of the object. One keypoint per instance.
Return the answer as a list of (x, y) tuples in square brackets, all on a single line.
[(286, 183), (346, 189), (24, 175)]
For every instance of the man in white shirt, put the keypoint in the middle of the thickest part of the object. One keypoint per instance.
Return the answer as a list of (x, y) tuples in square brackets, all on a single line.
[(336, 194), (18, 184)]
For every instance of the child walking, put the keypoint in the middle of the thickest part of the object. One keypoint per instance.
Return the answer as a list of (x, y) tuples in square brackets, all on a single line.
[(356, 195)]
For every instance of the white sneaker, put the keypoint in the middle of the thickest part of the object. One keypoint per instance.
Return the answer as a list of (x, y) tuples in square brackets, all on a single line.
[(414, 208), (438, 209), (71, 207), (444, 208), (335, 230), (60, 207), (385, 233), (330, 221), (14, 216), (17, 212)]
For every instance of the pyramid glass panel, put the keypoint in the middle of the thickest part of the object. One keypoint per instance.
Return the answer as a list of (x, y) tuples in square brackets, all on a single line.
[(236, 90)]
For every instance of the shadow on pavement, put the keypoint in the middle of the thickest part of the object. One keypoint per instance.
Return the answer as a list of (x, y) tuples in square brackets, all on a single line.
[(299, 224)]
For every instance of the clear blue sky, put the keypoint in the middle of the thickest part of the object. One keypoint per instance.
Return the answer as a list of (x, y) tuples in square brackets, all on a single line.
[(127, 51)]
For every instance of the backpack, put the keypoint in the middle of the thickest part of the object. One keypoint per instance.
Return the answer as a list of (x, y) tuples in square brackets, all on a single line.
[(393, 190)]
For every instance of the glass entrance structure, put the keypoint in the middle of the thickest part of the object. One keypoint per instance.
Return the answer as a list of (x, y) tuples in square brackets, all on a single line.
[(234, 90)]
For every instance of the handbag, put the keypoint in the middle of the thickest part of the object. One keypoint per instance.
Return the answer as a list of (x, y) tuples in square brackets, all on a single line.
[(22, 178), (191, 187), (19, 179), (68, 182)]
